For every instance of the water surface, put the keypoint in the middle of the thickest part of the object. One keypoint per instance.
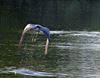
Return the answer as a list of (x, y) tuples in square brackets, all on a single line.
[(71, 54)]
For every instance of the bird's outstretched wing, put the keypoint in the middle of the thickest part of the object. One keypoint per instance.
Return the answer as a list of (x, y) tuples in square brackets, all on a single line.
[(27, 28)]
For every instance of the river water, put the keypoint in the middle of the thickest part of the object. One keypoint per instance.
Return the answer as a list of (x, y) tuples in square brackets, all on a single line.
[(71, 54)]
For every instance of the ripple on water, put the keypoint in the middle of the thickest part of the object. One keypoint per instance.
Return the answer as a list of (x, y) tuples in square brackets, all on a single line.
[(75, 59)]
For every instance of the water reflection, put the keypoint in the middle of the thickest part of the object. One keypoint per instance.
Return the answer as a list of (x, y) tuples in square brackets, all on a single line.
[(71, 54), (24, 71)]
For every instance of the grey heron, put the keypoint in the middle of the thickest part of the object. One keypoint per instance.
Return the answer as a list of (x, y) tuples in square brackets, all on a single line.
[(38, 28)]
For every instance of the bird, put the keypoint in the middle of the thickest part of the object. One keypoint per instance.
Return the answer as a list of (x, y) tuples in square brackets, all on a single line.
[(38, 28)]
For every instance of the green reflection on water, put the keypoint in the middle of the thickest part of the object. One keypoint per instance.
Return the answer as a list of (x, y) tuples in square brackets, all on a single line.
[(74, 54), (30, 56)]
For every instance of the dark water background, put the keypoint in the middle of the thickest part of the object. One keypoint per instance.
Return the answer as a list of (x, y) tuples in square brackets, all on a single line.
[(71, 54), (54, 14)]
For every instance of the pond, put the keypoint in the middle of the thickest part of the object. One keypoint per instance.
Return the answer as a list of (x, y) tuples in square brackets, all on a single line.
[(71, 54)]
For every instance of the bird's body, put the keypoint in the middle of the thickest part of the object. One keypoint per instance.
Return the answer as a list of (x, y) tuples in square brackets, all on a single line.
[(38, 28)]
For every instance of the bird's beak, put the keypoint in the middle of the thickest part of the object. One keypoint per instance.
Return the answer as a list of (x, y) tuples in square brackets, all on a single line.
[(46, 46), (27, 28)]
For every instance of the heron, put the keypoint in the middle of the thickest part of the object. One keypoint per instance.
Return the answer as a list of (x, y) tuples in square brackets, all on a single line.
[(38, 28)]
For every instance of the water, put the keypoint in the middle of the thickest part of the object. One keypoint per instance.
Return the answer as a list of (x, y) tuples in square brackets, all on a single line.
[(71, 54)]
